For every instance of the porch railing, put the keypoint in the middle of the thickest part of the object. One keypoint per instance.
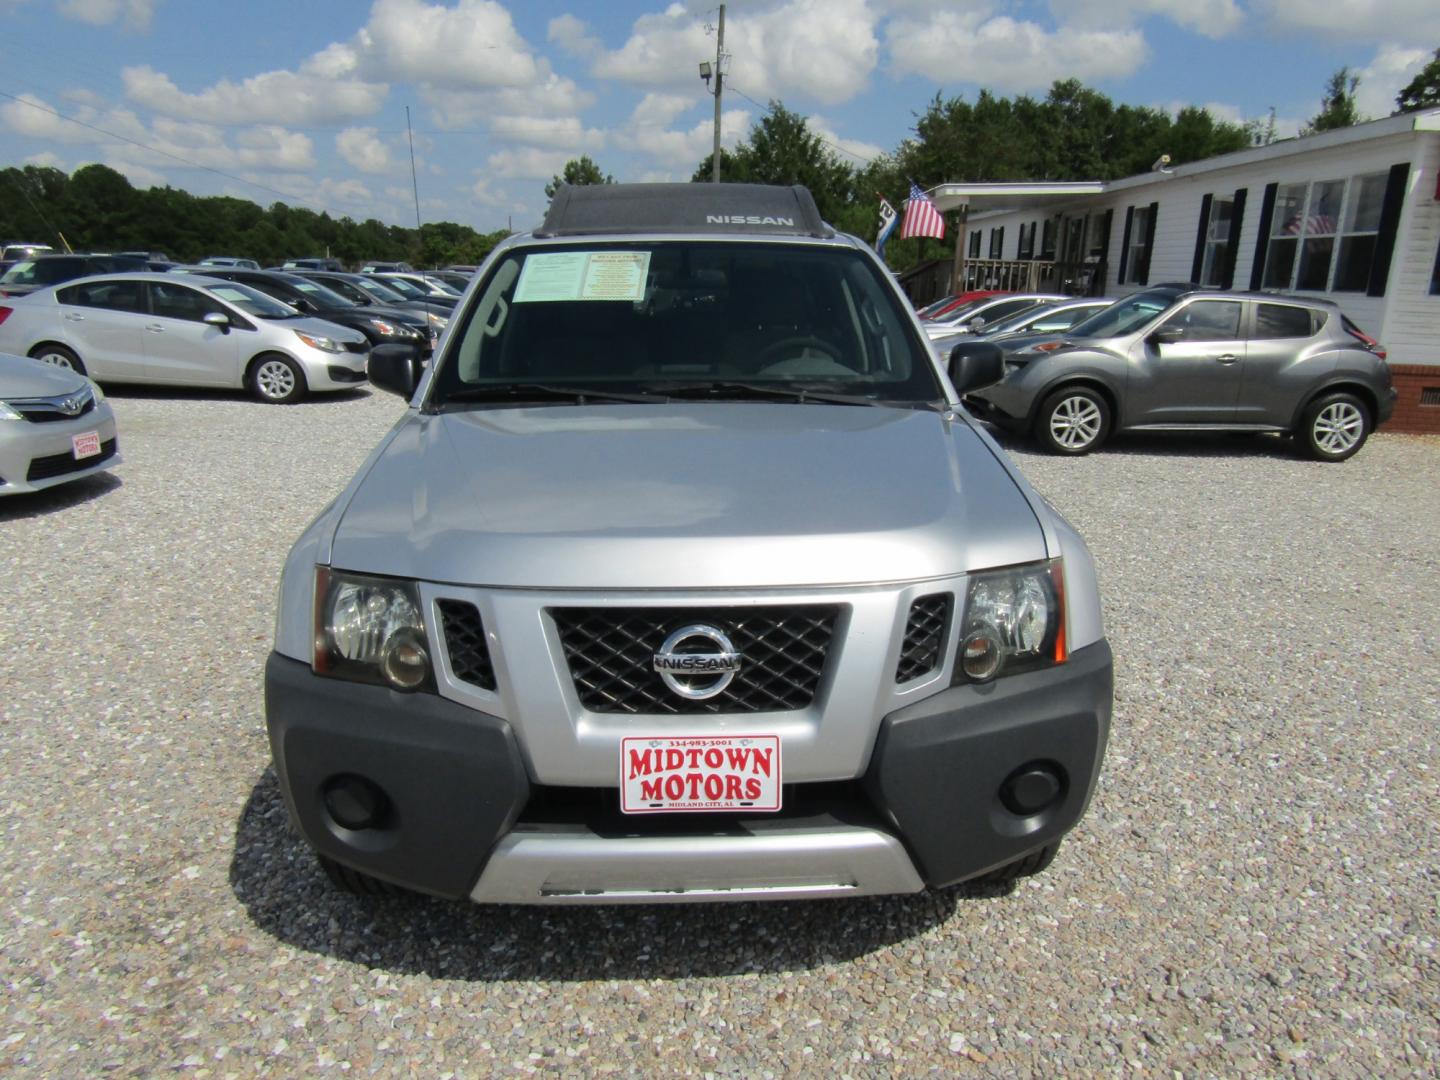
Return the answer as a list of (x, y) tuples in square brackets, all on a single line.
[(1034, 275)]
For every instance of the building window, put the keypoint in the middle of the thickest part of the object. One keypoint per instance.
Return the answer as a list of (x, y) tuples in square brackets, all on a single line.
[(1047, 239), (1137, 256), (997, 242), (974, 243), (1217, 242), (1323, 234), (1027, 241)]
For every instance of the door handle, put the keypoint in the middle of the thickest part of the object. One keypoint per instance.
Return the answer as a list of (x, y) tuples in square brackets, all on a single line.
[(1227, 358), (71, 316), (155, 328)]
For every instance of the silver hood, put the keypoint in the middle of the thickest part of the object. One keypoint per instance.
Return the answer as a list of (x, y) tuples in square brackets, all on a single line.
[(21, 377), (684, 496)]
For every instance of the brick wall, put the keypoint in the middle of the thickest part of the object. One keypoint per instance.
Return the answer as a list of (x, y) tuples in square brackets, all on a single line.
[(1410, 414)]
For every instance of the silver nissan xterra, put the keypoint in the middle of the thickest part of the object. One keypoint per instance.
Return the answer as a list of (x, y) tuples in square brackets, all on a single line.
[(685, 576)]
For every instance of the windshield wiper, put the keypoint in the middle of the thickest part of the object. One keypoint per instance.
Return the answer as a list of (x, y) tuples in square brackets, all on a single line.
[(580, 395), (818, 393)]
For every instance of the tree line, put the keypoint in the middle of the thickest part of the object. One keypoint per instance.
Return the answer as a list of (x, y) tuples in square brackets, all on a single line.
[(97, 209)]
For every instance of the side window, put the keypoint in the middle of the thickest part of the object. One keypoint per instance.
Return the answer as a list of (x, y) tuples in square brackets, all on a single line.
[(110, 295), (1282, 321), (1207, 320), (179, 302), (996, 312)]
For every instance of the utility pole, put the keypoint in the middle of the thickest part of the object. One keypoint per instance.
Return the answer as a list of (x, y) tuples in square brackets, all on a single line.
[(719, 83)]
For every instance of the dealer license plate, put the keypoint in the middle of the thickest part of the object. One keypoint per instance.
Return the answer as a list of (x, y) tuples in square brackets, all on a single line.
[(86, 444), (699, 773)]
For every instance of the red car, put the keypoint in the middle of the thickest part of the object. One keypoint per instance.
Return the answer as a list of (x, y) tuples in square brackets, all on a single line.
[(947, 304)]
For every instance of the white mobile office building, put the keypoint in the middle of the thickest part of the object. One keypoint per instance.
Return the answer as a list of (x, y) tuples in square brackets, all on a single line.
[(1352, 215)]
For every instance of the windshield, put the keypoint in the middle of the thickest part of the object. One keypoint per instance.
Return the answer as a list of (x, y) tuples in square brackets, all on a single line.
[(251, 301), (685, 319), (1018, 321), (1124, 317), (41, 271), (378, 290), (405, 289), (937, 305), (322, 297)]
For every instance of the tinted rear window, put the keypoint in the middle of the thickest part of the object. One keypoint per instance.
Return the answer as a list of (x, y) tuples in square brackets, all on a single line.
[(1284, 321)]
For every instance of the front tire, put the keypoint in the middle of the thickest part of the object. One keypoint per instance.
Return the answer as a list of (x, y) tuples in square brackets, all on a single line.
[(1074, 420), (1334, 427), (1034, 863), (59, 356), (277, 379), (348, 879)]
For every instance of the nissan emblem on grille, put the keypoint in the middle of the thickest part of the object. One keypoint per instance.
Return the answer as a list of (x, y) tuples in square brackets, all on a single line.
[(685, 672)]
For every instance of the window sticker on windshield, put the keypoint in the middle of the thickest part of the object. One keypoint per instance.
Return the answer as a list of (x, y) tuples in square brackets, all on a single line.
[(583, 275)]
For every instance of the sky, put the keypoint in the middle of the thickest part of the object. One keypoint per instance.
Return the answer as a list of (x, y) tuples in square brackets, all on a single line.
[(304, 101)]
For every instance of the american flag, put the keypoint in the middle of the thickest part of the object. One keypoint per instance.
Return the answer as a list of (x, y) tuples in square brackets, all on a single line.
[(921, 217)]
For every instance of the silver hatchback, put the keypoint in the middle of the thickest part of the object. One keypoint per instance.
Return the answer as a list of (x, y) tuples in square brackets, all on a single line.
[(183, 330), (1175, 358)]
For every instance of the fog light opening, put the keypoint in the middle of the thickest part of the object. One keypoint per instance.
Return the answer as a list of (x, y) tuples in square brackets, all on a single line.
[(355, 803), (1032, 789), (980, 656)]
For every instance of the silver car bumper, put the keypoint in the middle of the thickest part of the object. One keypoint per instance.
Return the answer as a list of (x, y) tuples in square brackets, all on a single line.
[(35, 456)]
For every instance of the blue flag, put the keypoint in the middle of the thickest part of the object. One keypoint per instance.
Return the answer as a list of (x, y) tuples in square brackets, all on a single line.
[(888, 219)]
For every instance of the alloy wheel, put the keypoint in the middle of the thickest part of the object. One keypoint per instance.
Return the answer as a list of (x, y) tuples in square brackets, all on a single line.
[(1338, 427), (1075, 422), (275, 379)]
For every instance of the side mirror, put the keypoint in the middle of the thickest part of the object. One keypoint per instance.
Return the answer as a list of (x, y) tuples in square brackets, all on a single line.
[(396, 368), (217, 319), (1166, 336), (977, 322), (301, 303), (974, 364)]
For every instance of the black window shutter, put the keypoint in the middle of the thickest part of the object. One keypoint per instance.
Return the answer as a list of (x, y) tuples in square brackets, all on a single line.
[(1000, 253), (1097, 288), (1262, 237), (1232, 246), (1199, 262), (1389, 224), (1143, 270), (1125, 243)]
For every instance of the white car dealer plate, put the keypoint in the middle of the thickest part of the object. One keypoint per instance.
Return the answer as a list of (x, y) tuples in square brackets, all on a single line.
[(86, 444), (699, 773)]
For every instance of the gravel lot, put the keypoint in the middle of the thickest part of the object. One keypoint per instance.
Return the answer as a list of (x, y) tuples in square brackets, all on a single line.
[(1255, 888)]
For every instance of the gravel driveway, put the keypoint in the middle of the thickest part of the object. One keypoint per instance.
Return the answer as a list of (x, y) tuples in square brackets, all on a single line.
[(1255, 888)]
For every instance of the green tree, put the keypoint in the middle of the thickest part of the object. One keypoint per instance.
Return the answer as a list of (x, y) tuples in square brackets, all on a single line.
[(579, 172), (1337, 108), (1423, 91), (781, 149)]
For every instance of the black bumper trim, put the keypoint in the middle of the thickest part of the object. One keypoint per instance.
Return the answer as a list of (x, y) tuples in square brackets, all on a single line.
[(454, 777), (938, 765)]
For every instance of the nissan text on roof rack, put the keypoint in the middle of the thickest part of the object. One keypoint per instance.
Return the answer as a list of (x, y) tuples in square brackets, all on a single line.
[(685, 576)]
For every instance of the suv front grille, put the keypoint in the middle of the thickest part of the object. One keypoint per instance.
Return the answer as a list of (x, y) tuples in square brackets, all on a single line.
[(465, 643), (924, 635), (611, 653)]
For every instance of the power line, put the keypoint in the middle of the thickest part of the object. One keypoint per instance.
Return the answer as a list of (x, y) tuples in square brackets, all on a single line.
[(165, 153), (833, 145)]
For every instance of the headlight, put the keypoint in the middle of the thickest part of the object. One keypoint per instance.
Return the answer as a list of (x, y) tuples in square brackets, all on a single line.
[(438, 322), (1014, 621), (8, 413), (1044, 347), (324, 344), (370, 629), (394, 329)]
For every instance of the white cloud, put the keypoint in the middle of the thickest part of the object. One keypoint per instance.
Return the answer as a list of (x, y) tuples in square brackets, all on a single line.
[(1212, 18), (1389, 71), (850, 151), (363, 148), (820, 49), (136, 13), (266, 146), (140, 176), (46, 160), (1001, 53), (526, 163), (554, 96), (554, 132), (648, 131), (470, 46), (574, 37), (284, 97), (1356, 20)]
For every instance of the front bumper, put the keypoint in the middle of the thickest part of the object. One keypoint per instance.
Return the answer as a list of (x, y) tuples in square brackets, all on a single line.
[(463, 817), (35, 456)]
